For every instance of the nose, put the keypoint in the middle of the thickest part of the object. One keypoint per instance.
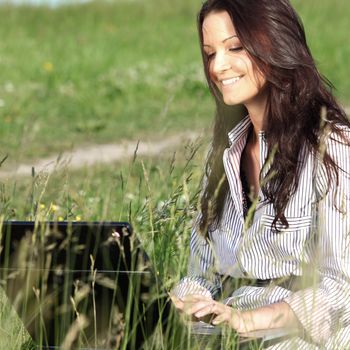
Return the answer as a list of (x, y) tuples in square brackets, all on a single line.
[(220, 63)]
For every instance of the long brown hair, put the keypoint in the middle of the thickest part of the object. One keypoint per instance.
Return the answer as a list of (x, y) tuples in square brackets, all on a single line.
[(273, 36)]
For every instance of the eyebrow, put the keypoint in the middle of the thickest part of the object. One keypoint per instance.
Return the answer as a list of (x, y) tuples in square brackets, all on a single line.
[(233, 36)]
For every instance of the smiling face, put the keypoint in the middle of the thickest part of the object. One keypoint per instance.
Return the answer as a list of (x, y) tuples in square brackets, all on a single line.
[(230, 67)]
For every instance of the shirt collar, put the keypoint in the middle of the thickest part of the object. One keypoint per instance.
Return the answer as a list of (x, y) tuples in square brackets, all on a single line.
[(241, 130)]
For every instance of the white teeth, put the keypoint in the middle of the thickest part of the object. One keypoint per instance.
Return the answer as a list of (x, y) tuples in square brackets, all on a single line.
[(230, 81)]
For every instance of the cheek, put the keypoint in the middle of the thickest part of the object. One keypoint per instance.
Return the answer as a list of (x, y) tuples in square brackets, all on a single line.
[(240, 64), (258, 79), (212, 75), (213, 79)]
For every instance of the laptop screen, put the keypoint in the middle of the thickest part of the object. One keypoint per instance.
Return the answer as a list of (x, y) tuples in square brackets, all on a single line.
[(76, 284)]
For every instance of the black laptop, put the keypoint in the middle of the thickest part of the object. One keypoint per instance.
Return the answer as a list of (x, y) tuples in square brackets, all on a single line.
[(76, 285)]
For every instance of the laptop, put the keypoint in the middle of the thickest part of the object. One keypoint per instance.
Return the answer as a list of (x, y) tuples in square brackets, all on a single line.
[(74, 285)]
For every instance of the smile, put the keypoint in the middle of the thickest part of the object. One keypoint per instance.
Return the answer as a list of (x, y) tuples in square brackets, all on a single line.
[(230, 81)]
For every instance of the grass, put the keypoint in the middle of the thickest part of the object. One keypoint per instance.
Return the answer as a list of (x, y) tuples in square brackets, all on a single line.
[(83, 73), (104, 72), (326, 26), (158, 196), (10, 326)]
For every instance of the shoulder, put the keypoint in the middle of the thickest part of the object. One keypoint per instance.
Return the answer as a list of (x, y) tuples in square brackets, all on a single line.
[(338, 132), (336, 141)]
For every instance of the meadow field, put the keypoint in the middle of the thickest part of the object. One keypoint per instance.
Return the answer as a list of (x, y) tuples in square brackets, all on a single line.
[(106, 72)]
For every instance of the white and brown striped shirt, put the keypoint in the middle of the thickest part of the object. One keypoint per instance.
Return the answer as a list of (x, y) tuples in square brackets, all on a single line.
[(316, 245)]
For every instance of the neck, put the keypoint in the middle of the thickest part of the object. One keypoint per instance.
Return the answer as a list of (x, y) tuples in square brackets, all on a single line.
[(257, 113)]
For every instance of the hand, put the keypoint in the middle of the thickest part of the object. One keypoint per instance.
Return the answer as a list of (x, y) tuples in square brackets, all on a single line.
[(277, 315), (220, 314), (185, 305), (211, 311)]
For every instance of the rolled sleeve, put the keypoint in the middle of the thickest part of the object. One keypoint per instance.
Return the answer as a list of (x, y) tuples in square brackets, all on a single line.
[(323, 309)]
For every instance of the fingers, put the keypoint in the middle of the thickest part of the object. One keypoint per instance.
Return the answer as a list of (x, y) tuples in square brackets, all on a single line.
[(202, 309), (199, 307), (215, 308), (190, 303), (220, 319), (193, 308), (232, 318)]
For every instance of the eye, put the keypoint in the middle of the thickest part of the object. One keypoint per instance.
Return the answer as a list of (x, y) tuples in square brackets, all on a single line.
[(236, 49), (210, 55)]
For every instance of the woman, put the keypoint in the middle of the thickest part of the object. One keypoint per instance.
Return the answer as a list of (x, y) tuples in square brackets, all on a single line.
[(275, 204)]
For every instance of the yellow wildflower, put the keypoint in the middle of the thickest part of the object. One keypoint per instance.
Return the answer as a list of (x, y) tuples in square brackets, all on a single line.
[(48, 67), (54, 207)]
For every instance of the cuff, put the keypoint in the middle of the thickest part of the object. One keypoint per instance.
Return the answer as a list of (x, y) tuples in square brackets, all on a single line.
[(190, 286)]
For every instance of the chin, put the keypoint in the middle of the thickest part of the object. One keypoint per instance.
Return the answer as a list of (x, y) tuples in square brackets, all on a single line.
[(231, 101)]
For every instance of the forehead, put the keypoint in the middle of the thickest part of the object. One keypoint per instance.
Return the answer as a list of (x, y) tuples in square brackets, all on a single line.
[(217, 26)]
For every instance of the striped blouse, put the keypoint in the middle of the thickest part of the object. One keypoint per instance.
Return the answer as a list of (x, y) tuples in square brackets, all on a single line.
[(316, 246)]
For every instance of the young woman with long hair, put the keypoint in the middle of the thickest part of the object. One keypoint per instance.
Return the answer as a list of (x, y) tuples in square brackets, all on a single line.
[(275, 205)]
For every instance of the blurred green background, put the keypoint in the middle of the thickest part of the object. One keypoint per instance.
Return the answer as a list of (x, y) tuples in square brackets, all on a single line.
[(109, 71), (106, 72)]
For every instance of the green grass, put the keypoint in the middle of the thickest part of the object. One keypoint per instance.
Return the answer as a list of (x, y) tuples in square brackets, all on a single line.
[(326, 25), (102, 72), (10, 325), (158, 196), (103, 192), (113, 76)]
